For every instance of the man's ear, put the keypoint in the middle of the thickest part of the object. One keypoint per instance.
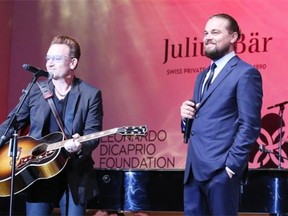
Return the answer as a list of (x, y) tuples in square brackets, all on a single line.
[(234, 37), (73, 63)]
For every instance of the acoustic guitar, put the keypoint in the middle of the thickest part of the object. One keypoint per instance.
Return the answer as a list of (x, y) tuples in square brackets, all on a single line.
[(43, 158)]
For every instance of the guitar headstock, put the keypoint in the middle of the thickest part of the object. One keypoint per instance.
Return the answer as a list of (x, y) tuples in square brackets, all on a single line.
[(133, 130)]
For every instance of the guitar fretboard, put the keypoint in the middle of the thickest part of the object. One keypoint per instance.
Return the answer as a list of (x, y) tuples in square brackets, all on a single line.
[(134, 130)]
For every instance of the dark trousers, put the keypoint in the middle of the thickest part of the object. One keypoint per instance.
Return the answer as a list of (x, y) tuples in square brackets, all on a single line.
[(217, 196)]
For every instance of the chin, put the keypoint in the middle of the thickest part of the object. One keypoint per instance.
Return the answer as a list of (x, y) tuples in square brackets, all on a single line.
[(210, 54)]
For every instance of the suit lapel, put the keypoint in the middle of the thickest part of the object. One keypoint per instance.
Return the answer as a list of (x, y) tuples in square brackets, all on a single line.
[(200, 84), (73, 98), (221, 76)]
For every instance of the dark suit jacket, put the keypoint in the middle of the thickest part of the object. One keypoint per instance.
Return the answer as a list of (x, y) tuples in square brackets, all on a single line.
[(84, 115), (227, 122)]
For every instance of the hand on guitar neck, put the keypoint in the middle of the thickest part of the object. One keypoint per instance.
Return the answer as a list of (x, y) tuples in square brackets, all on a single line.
[(73, 145)]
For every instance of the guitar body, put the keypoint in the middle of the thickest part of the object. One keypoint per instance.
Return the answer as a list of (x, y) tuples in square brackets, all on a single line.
[(34, 161), (43, 158)]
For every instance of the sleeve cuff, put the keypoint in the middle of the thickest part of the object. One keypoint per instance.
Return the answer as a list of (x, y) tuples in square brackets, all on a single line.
[(229, 170)]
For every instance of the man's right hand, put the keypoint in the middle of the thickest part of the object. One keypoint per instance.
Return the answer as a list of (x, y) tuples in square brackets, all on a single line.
[(188, 109)]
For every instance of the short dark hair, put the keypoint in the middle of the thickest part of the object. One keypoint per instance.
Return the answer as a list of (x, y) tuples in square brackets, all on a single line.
[(74, 46), (233, 25)]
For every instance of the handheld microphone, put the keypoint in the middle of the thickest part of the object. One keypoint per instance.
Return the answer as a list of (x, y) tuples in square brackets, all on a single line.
[(37, 71), (187, 130), (188, 126)]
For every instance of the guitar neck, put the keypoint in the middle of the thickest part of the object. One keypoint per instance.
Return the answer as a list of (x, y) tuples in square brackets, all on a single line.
[(57, 145)]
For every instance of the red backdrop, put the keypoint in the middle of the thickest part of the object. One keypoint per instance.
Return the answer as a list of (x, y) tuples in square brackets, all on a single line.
[(145, 55)]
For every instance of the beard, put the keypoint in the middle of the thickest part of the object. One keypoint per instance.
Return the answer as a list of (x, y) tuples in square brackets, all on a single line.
[(215, 54)]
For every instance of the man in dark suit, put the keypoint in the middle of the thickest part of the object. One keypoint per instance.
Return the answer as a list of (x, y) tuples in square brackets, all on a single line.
[(226, 113), (80, 109)]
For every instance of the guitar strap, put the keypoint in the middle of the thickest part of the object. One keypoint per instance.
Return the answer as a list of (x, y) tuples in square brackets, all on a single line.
[(47, 94)]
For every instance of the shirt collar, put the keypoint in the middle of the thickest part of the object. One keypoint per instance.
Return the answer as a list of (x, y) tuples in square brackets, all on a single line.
[(223, 61)]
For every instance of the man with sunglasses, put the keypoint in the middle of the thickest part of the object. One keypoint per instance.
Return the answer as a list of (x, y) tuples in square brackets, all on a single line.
[(79, 107)]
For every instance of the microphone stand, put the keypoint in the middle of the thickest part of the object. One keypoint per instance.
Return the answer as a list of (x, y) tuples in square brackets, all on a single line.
[(281, 111), (13, 144), (264, 150)]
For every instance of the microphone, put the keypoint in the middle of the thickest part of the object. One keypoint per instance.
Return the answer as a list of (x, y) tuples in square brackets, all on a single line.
[(263, 149), (37, 71), (188, 126), (277, 105), (187, 130)]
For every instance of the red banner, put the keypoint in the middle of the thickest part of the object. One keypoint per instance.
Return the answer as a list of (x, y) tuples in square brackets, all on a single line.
[(145, 55)]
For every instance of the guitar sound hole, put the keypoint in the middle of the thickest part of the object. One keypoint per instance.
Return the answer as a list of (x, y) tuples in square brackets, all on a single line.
[(40, 149)]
